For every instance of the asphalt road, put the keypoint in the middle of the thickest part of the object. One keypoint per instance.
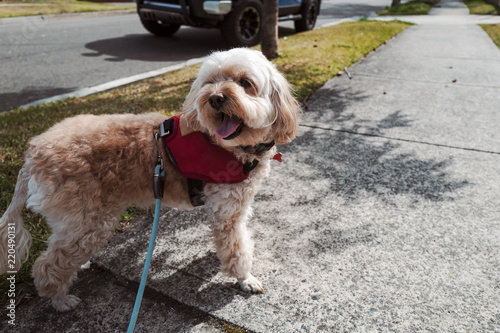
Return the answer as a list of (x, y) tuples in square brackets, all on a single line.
[(43, 57)]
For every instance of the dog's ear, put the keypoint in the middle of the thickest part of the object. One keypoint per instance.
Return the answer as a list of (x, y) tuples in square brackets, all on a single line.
[(286, 109), (189, 110)]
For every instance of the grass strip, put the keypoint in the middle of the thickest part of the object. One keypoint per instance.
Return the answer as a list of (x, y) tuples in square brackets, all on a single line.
[(307, 60), (16, 9), (415, 7), (481, 7), (494, 31)]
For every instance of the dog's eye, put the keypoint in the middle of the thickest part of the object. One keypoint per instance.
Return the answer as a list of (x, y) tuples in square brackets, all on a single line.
[(244, 83)]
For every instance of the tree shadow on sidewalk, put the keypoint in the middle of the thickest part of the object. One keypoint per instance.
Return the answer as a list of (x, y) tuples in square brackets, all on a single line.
[(107, 304), (342, 179), (178, 270), (193, 285), (356, 163), (347, 153)]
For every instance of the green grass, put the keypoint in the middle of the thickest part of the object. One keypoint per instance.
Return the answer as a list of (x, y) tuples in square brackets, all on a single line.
[(415, 7), (494, 31), (16, 9), (480, 7), (307, 60)]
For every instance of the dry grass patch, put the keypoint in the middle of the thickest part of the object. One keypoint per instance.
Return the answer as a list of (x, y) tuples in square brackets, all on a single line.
[(415, 7), (481, 7), (494, 31)]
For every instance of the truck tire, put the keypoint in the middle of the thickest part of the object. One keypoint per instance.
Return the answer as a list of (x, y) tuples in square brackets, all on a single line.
[(309, 12), (159, 28), (242, 26)]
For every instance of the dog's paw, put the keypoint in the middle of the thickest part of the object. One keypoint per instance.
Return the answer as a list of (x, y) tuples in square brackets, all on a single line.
[(251, 284), (69, 303)]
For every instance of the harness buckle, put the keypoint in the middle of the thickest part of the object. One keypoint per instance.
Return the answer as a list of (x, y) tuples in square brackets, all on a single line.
[(166, 128)]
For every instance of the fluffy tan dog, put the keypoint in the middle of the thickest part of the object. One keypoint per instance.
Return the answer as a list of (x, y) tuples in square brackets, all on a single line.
[(85, 171)]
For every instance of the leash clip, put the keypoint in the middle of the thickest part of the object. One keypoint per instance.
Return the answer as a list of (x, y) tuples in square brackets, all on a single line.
[(159, 179), (160, 160), (160, 163), (159, 175)]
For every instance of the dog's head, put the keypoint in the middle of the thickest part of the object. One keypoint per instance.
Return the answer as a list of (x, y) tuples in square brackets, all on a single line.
[(241, 99)]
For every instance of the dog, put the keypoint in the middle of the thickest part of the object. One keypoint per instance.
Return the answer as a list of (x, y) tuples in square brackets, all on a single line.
[(85, 171)]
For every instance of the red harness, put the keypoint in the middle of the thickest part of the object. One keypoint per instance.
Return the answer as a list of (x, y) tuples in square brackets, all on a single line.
[(195, 156)]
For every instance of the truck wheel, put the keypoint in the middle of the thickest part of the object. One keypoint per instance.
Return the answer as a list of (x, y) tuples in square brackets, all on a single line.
[(242, 26), (309, 12), (159, 28)]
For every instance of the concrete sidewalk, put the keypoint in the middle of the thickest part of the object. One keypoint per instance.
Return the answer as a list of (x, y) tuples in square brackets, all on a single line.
[(383, 216)]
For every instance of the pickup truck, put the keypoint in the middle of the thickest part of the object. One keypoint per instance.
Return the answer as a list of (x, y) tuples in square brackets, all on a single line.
[(240, 21)]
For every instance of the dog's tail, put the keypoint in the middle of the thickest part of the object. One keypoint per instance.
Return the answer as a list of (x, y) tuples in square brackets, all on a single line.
[(15, 240)]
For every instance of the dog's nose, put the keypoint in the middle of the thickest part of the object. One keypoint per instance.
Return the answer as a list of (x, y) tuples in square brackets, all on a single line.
[(216, 100)]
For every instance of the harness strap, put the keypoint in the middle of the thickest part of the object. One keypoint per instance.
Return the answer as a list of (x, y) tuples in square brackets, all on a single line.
[(195, 191), (258, 149)]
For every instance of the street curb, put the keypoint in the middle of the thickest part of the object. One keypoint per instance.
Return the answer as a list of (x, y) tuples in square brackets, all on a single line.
[(115, 83), (347, 19)]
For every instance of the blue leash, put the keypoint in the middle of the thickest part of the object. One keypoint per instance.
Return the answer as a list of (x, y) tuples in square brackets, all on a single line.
[(158, 188)]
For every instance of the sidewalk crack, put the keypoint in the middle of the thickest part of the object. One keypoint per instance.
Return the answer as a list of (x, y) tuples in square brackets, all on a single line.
[(401, 139), (425, 81)]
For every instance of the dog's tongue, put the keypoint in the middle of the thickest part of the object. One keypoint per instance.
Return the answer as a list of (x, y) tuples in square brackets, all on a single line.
[(229, 126)]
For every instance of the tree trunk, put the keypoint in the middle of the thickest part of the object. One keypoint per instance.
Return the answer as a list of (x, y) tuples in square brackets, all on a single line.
[(395, 3), (269, 34)]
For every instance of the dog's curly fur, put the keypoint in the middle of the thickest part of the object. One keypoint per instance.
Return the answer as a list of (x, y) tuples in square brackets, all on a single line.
[(85, 171)]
